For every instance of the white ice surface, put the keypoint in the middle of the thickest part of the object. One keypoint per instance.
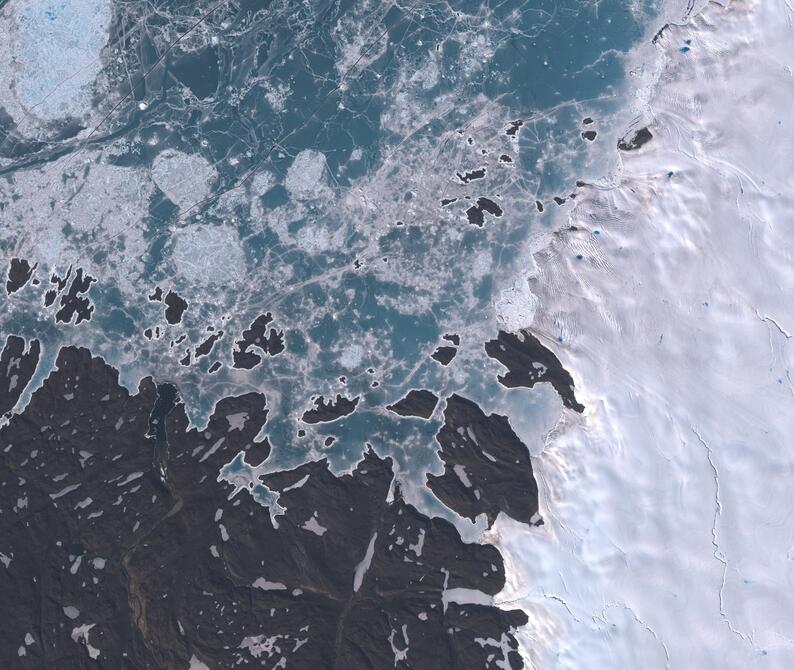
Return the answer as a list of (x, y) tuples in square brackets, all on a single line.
[(265, 585), (196, 664), (516, 306), (54, 49), (314, 526), (306, 176), (184, 178), (208, 256), (80, 635), (669, 506), (363, 566)]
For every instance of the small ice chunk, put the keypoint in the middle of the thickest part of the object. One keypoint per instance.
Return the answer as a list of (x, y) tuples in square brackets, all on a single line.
[(297, 484), (460, 471), (314, 526), (71, 611), (130, 478), (259, 644), (352, 356), (56, 53), (420, 543), (81, 633), (463, 596), (237, 421), (217, 445), (400, 655), (265, 585), (363, 566), (196, 664), (64, 491), (515, 307), (209, 255)]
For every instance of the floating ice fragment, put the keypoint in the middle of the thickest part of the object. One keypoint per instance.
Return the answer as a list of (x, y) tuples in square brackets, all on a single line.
[(184, 178), (515, 307), (207, 255), (55, 48), (306, 176)]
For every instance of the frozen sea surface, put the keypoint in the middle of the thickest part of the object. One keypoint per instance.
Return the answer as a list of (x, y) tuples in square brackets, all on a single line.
[(368, 175), (303, 211)]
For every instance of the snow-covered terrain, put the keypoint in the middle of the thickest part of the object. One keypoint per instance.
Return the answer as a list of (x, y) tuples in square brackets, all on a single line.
[(669, 535)]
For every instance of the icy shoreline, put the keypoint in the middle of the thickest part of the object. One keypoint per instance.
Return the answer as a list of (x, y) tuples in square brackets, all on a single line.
[(670, 527)]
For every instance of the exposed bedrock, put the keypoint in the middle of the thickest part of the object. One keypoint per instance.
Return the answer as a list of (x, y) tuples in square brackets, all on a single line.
[(528, 363), (112, 556), (487, 469)]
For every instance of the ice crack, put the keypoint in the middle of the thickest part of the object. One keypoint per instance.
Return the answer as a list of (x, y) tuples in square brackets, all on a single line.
[(642, 623), (562, 602), (715, 542), (769, 319)]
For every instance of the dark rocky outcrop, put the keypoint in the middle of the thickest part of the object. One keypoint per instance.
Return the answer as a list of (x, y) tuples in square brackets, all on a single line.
[(487, 469), (419, 403), (206, 346), (256, 336), (635, 140), (329, 410), (121, 549), (74, 304), (18, 362), (175, 307), (529, 363), (19, 273), (444, 354)]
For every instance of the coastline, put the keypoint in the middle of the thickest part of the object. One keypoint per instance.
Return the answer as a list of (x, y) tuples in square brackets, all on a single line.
[(666, 513)]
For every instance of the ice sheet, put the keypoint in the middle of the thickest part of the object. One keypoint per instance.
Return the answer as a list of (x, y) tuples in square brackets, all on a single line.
[(669, 535)]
